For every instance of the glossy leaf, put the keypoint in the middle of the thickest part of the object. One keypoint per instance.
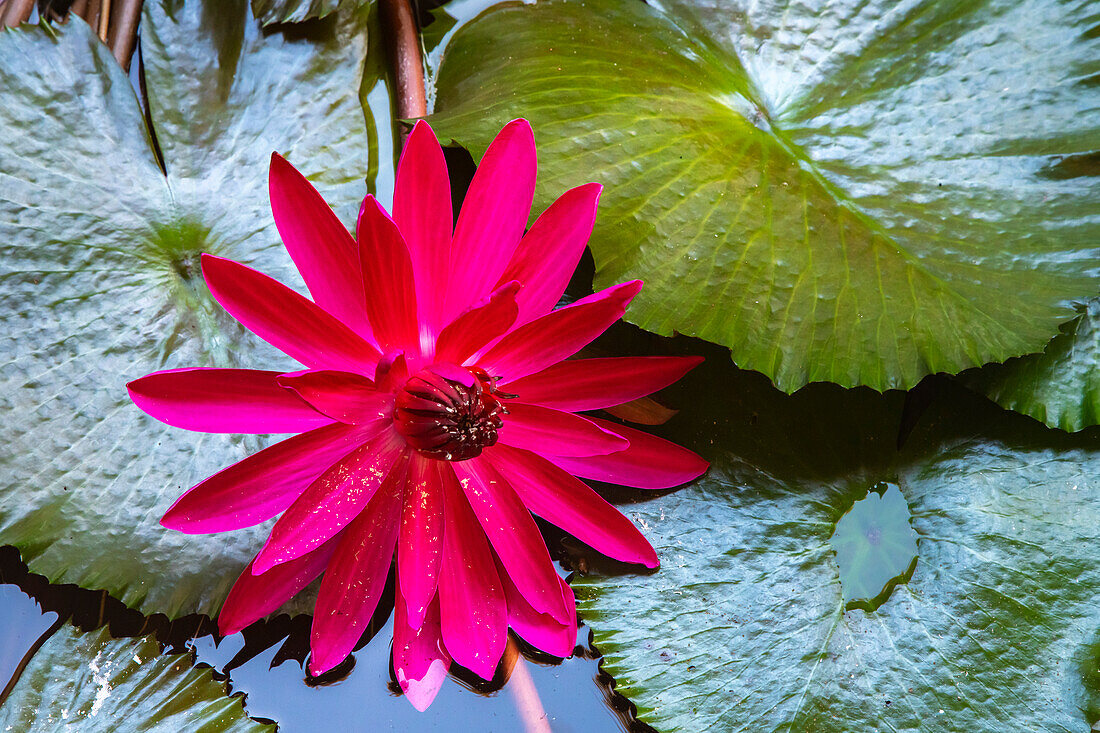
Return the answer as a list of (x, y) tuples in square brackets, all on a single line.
[(100, 280), (860, 192), (291, 11), (1061, 386), (91, 682), (745, 629)]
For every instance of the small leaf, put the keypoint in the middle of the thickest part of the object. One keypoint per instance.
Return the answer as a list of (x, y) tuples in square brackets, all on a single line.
[(91, 682), (861, 193)]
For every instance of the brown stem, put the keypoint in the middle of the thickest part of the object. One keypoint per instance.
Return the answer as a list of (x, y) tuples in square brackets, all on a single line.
[(404, 48), (80, 7), (124, 30), (92, 14), (16, 12), (104, 18)]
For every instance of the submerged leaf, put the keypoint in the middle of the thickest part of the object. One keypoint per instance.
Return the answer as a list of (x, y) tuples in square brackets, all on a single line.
[(100, 278), (745, 627), (862, 193), (91, 682)]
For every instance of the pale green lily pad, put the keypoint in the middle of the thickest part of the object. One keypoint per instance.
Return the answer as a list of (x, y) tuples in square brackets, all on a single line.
[(100, 281), (90, 682), (744, 627), (875, 546), (1061, 386), (862, 192)]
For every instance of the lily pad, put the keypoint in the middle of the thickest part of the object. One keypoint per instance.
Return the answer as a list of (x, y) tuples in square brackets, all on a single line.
[(745, 626), (91, 682), (862, 193), (1061, 386), (99, 274)]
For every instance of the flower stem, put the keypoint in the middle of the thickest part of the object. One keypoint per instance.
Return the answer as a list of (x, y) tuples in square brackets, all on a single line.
[(124, 30), (15, 12), (404, 49)]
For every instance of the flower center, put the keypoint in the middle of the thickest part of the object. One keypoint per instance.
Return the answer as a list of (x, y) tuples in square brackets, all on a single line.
[(449, 412)]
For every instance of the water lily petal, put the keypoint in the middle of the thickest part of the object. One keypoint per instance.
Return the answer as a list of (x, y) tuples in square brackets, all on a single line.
[(355, 578), (472, 609), (422, 210), (388, 279), (332, 501), (541, 630), (493, 217), (212, 400), (344, 396), (546, 430), (649, 463), (549, 252), (559, 334), (563, 500), (255, 596), (259, 487), (286, 320), (420, 661), (479, 325), (513, 534), (319, 244), (593, 384), (420, 548)]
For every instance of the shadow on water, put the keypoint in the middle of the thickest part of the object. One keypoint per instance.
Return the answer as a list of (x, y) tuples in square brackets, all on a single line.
[(265, 662)]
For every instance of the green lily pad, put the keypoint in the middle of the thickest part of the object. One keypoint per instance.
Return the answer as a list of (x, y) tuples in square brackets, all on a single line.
[(875, 546), (1061, 386), (745, 626), (292, 11), (91, 682), (99, 274), (862, 193)]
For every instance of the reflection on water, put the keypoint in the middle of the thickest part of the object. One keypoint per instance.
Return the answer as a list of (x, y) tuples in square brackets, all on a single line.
[(266, 662)]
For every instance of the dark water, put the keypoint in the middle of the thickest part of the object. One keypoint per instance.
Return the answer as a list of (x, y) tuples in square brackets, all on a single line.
[(265, 662)]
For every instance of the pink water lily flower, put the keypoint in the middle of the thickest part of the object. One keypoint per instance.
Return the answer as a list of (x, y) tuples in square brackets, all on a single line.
[(436, 414)]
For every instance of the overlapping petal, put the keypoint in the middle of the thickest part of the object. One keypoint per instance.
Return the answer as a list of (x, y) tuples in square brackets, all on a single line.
[(255, 596), (514, 536), (257, 488), (420, 543), (493, 216), (479, 325), (213, 400), (319, 244), (546, 430), (541, 630), (551, 249), (593, 384), (345, 396), (332, 501), (557, 335), (422, 211), (473, 611), (420, 661), (649, 463), (295, 325), (561, 499), (355, 577), (388, 278)]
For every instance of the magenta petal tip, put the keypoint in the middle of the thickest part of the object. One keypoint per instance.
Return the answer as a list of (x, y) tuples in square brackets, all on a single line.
[(422, 692)]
